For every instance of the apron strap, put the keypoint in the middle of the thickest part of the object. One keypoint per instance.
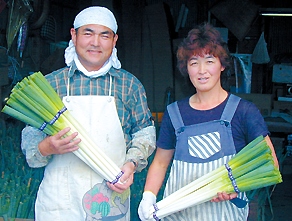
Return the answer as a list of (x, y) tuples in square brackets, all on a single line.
[(68, 81), (175, 117), (110, 86), (230, 108), (227, 115)]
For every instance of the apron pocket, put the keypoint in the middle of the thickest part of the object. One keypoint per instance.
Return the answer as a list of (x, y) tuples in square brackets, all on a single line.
[(58, 196), (205, 145)]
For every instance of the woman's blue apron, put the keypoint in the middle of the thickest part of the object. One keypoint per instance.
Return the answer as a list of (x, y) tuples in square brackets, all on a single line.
[(201, 148)]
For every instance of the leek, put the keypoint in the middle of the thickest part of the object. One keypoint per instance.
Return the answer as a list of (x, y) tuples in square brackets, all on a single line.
[(252, 168), (35, 102)]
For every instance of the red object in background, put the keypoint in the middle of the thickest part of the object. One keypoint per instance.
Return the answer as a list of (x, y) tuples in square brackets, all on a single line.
[(2, 5)]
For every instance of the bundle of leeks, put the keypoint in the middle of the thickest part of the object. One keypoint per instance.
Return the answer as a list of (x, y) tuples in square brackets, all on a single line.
[(35, 102), (251, 168)]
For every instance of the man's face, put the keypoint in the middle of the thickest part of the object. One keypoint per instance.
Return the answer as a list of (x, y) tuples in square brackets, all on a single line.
[(94, 45)]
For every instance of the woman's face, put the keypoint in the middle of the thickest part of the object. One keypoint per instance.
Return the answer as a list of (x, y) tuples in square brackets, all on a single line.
[(204, 72)]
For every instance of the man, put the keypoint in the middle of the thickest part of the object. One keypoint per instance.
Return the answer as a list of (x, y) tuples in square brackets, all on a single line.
[(111, 105)]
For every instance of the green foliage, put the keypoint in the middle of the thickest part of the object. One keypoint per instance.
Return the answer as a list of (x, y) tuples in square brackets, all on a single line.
[(19, 182)]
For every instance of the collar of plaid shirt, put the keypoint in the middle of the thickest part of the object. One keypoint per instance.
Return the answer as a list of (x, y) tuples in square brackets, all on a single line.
[(73, 68)]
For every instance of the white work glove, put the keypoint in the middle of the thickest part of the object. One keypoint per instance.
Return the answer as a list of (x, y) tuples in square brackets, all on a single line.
[(144, 207)]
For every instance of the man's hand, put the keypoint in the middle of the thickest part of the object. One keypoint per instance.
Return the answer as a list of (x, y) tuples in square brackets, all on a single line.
[(57, 145), (126, 180), (223, 196)]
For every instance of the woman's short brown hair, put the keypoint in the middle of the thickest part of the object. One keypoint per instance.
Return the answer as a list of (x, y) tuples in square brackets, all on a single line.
[(204, 39)]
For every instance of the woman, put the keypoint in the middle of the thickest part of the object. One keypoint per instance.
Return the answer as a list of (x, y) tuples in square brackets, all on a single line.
[(211, 112)]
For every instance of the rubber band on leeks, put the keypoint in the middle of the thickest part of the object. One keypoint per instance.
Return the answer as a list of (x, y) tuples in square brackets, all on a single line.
[(232, 178), (155, 210), (117, 177), (55, 118), (43, 126), (155, 217)]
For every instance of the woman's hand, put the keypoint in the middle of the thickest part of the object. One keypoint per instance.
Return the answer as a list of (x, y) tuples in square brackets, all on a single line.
[(223, 196)]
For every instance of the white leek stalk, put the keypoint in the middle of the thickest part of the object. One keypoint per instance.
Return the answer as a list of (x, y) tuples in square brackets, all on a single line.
[(252, 168)]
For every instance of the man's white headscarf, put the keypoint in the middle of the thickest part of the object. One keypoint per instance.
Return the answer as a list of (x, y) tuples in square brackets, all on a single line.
[(100, 16)]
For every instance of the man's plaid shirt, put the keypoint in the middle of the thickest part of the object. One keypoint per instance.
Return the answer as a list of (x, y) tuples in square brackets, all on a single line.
[(131, 103)]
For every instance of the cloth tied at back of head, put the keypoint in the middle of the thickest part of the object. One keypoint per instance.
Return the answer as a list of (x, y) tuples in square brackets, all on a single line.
[(100, 16)]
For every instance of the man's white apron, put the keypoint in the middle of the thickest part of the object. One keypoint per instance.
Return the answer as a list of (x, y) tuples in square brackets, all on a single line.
[(71, 190)]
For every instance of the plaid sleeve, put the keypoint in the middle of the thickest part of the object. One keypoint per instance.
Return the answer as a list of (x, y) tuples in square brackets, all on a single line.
[(30, 139), (139, 130), (143, 145)]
